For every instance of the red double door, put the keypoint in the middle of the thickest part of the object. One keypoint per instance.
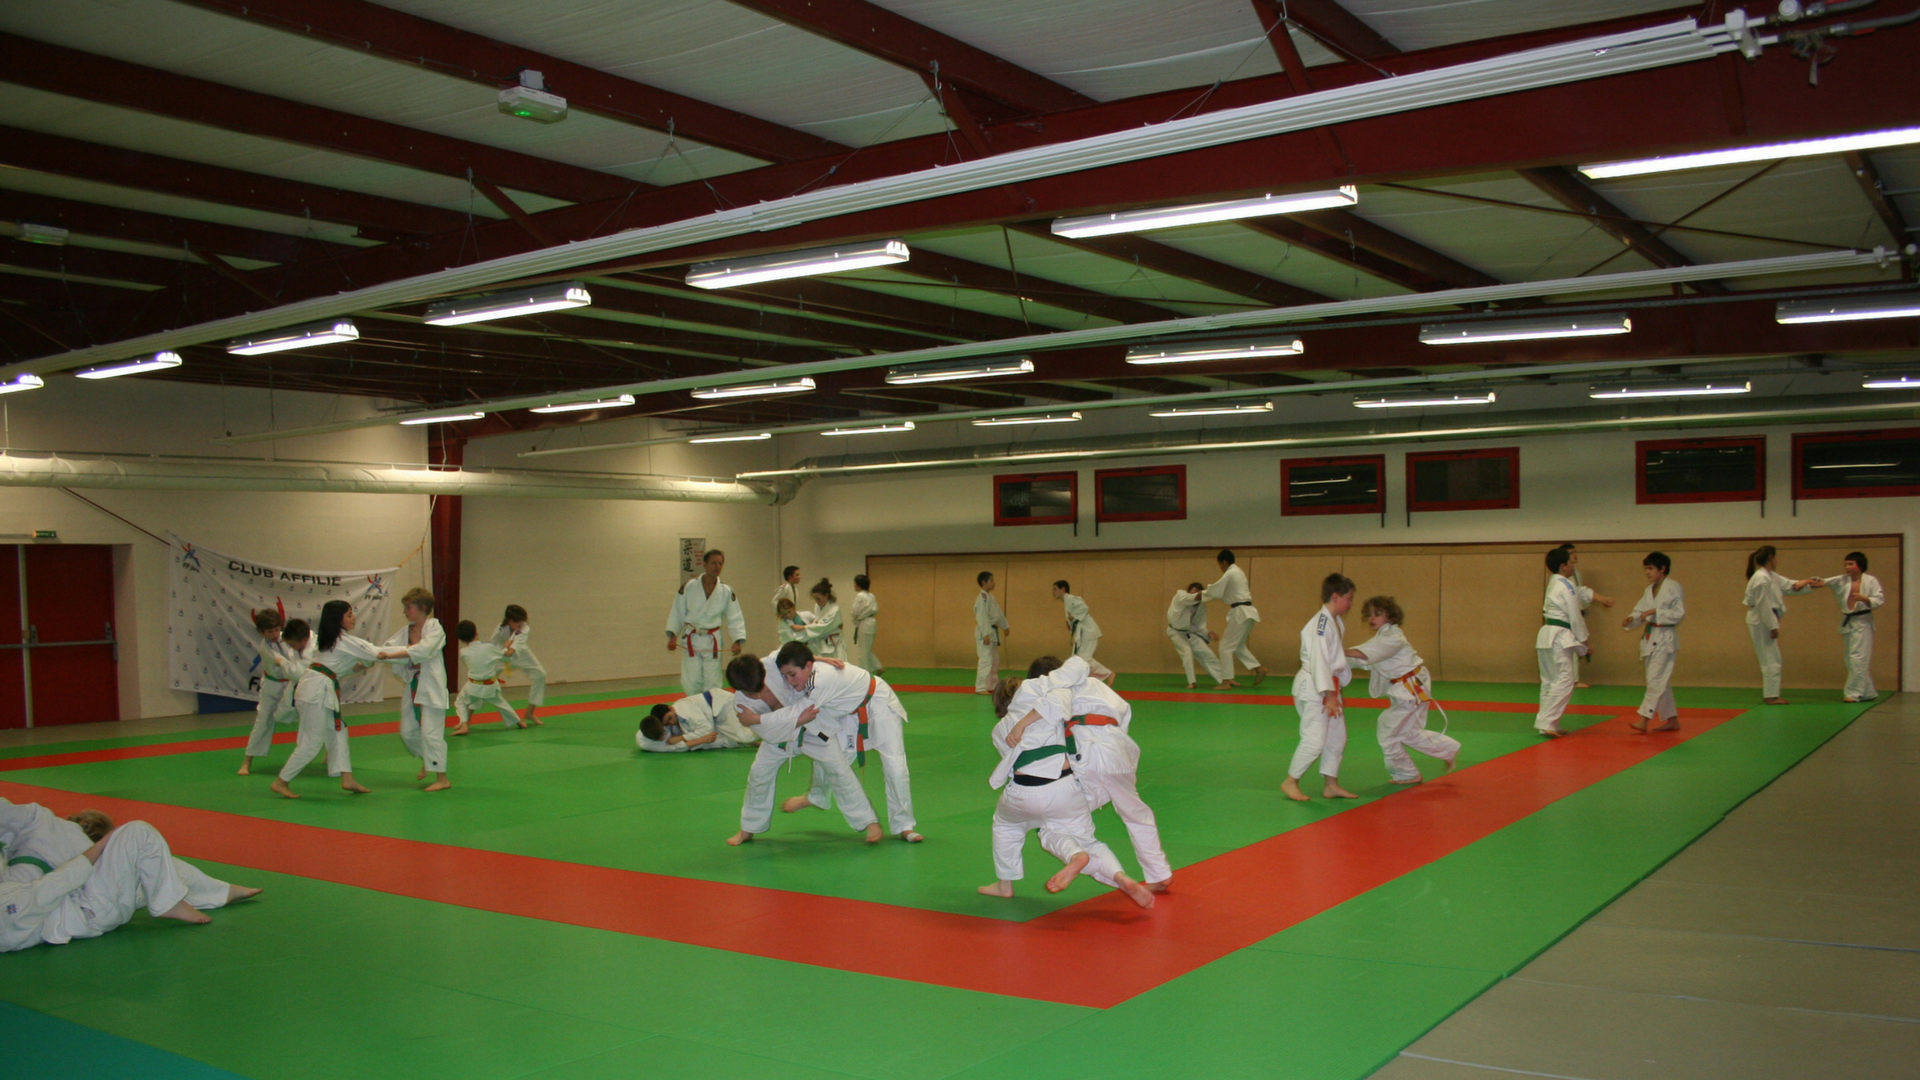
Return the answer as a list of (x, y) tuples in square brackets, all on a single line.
[(58, 660)]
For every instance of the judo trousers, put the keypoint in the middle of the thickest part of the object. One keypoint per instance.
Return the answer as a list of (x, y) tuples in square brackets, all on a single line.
[(1322, 737)]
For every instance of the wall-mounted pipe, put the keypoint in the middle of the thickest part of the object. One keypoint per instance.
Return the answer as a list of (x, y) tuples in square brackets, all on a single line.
[(57, 470)]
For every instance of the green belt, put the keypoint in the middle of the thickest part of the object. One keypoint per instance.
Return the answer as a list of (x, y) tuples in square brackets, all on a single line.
[(1042, 753), (1560, 623), (30, 861)]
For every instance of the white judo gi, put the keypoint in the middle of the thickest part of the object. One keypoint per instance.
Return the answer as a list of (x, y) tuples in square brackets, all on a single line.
[(523, 660), (1187, 629), (868, 716), (1107, 760), (710, 712), (281, 666), (1659, 644), (317, 697), (823, 633), (797, 629), (1232, 590), (865, 614), (1561, 642), (1766, 601), (424, 699), (82, 899), (1086, 634), (486, 684), (786, 591), (1323, 668), (37, 841), (989, 626), (1038, 790), (1397, 673), (707, 625), (1856, 631), (782, 739)]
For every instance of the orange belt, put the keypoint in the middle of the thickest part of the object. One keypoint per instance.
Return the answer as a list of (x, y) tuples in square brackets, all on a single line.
[(1411, 681), (1094, 720), (860, 738)]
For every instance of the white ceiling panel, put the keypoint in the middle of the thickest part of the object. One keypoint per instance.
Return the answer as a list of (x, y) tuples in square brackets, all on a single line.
[(1817, 200), (1426, 24), (1043, 317), (39, 183), (1257, 253)]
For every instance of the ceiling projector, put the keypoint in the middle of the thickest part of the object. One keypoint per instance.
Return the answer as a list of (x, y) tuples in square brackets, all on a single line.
[(531, 101)]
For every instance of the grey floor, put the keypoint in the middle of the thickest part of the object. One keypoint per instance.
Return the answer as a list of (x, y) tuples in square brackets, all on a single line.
[(1784, 943)]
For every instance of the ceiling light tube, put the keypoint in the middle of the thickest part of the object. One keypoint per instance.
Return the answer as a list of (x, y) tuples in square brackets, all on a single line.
[(1894, 380), (756, 437), (1422, 401), (156, 362), (22, 382), (326, 332), (1847, 309), (877, 429), (1469, 333), (1837, 144), (1213, 350), (909, 374), (35, 233), (441, 418), (620, 402), (1217, 410), (780, 386), (505, 305), (1043, 418), (1172, 217), (1714, 388), (728, 273)]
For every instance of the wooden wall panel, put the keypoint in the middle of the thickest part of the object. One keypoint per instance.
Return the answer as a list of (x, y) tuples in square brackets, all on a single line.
[(1414, 583), (1286, 589), (1489, 614), (1039, 621), (1131, 638), (954, 588), (904, 635)]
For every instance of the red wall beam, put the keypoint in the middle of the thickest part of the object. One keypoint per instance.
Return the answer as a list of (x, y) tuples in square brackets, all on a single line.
[(409, 39), (61, 70), (1334, 26)]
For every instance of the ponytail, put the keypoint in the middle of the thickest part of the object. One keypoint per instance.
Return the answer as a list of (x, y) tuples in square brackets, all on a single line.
[(330, 617), (1760, 557)]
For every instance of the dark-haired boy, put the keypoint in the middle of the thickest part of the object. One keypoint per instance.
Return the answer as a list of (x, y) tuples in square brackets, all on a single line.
[(514, 630), (285, 653), (1662, 605), (784, 720), (989, 630), (1562, 640), (705, 721), (1858, 593), (484, 662), (1316, 692)]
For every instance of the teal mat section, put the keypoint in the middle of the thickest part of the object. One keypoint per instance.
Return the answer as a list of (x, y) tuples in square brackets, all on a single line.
[(42, 1047)]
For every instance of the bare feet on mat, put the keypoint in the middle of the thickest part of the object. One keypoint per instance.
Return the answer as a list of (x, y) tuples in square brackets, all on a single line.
[(1259, 675), (1159, 886), (1331, 789), (237, 893), (247, 769), (349, 784), (1582, 686), (279, 787), (532, 720), (911, 837), (1549, 733), (1774, 701), (1001, 889), (874, 835), (1064, 877), (1412, 782), (1291, 789), (1135, 891), (440, 784), (796, 803), (422, 774), (1640, 724), (1451, 763), (1190, 686), (461, 730), (185, 912), (739, 838), (1672, 724), (1228, 685)]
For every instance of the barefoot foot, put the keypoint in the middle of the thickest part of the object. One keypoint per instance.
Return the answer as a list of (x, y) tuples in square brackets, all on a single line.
[(1775, 701), (1135, 891), (1640, 724), (440, 783), (911, 837), (461, 730), (237, 893), (795, 804), (1450, 764), (874, 835), (1228, 685), (1002, 889), (1291, 789), (185, 913), (1259, 675), (422, 774), (246, 769), (1067, 873), (739, 838), (279, 787), (1190, 686), (349, 784), (1673, 724), (1548, 733), (1159, 886), (1412, 782), (1332, 790)]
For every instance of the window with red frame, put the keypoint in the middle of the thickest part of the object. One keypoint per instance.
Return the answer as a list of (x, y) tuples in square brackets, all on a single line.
[(1336, 485), (1701, 470), (1856, 464), (1154, 494), (1464, 479), (1036, 499)]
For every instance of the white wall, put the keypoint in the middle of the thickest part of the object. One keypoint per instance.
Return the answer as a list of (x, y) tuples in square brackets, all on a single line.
[(1573, 487), (132, 415)]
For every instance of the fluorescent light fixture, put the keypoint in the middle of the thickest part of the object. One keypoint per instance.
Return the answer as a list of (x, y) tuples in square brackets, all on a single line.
[(1893, 380), (155, 362), (442, 418), (1171, 217), (22, 382), (1849, 309), (620, 402), (1712, 388), (877, 429), (756, 437), (1860, 465), (1836, 144), (761, 389), (1217, 410), (1041, 418), (908, 374), (1469, 333), (326, 332), (34, 233), (789, 264), (505, 305), (1426, 400), (1213, 350)]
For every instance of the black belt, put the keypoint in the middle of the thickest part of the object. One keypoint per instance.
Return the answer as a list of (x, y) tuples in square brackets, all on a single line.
[(1243, 603), (1854, 615), (1039, 781)]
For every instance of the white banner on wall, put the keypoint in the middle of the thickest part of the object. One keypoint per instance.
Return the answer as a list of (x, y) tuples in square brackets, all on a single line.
[(211, 600), (692, 548)]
